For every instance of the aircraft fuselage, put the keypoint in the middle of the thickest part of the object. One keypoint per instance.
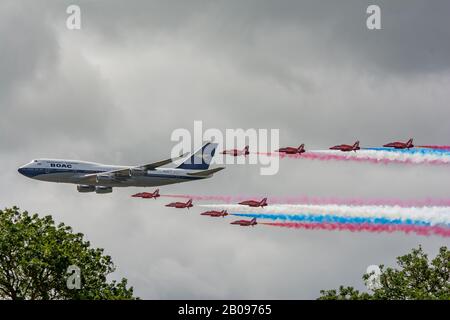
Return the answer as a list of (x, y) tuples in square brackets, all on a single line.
[(73, 171)]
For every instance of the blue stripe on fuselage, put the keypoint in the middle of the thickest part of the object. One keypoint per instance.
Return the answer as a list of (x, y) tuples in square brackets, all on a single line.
[(34, 172)]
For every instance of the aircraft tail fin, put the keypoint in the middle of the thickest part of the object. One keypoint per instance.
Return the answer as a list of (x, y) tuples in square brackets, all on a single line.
[(301, 147), (189, 202), (356, 145), (253, 221), (263, 202), (200, 159), (156, 193), (246, 149), (409, 143)]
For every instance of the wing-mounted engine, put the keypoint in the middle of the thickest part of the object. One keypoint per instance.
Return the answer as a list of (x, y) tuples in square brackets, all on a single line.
[(100, 189), (85, 188)]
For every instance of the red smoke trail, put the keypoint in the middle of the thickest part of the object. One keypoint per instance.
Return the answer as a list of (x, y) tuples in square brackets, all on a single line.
[(435, 147), (427, 202), (420, 230), (311, 155), (226, 199)]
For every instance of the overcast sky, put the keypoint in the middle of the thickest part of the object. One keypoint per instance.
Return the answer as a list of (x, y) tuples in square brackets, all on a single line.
[(114, 91)]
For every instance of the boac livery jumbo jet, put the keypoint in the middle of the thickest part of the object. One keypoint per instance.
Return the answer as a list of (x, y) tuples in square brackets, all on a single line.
[(90, 176)]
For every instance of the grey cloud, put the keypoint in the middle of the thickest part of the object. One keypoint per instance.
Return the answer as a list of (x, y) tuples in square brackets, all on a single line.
[(414, 39)]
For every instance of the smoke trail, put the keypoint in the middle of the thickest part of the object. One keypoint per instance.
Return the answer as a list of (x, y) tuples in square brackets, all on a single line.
[(331, 219), (370, 156), (420, 151), (427, 202), (419, 230), (434, 215), (226, 199), (436, 147)]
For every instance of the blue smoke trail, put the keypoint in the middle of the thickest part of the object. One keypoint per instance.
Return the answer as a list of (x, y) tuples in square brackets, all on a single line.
[(331, 219), (421, 151)]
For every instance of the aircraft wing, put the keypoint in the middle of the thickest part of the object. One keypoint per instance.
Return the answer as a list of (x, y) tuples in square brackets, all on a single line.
[(124, 174), (205, 173), (154, 165)]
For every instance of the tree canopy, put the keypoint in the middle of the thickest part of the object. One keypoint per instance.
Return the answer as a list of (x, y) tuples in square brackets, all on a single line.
[(37, 259), (416, 278)]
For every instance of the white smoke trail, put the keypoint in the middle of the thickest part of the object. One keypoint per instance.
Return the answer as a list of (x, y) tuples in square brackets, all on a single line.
[(434, 215), (380, 155)]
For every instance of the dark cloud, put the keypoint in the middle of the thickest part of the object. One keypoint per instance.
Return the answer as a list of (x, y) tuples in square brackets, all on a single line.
[(267, 34)]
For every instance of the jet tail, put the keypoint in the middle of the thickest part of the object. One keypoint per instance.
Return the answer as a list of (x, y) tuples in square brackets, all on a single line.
[(263, 202), (356, 145), (200, 159), (409, 143)]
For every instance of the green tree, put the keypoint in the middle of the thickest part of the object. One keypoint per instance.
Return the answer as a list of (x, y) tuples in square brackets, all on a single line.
[(417, 278), (35, 255)]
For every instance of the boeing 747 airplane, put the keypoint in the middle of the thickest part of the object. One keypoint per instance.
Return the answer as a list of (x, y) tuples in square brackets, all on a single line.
[(101, 178)]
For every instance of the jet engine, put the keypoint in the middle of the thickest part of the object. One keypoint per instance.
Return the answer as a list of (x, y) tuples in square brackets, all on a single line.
[(85, 188), (100, 189)]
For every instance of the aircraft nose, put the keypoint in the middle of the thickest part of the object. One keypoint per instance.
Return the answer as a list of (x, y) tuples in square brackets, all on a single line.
[(22, 171)]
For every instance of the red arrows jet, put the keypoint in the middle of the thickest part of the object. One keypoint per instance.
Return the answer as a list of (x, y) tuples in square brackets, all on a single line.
[(214, 213), (245, 223), (147, 195), (400, 145), (181, 205), (253, 203), (346, 147), (292, 150), (236, 152)]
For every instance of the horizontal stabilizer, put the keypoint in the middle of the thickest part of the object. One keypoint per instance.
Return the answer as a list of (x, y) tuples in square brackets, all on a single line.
[(205, 172), (152, 166)]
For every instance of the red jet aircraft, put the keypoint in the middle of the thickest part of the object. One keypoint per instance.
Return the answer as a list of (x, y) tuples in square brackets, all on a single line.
[(236, 152), (400, 145), (214, 213), (346, 147), (253, 203), (245, 223), (147, 195), (292, 150), (180, 205)]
